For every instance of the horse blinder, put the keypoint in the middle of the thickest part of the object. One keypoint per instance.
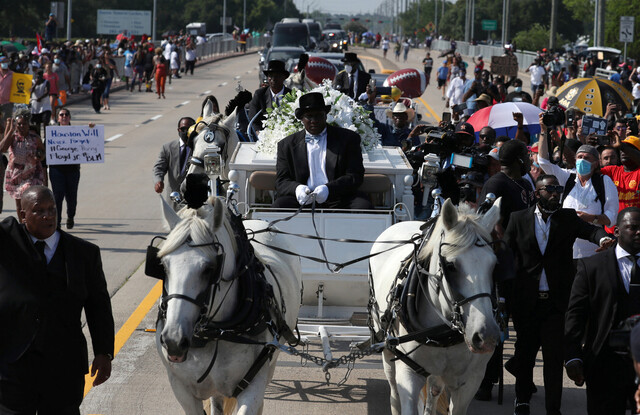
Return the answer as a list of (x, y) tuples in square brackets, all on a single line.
[(153, 266)]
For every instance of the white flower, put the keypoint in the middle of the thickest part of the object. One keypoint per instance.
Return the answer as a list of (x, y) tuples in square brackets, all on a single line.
[(281, 121)]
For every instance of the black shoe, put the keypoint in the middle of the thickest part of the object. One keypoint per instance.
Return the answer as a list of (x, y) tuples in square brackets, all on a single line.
[(70, 223), (522, 409), (484, 391)]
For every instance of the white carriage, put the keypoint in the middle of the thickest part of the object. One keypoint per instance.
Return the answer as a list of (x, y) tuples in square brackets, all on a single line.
[(333, 298)]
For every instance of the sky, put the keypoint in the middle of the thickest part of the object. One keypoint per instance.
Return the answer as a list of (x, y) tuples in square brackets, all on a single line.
[(338, 6)]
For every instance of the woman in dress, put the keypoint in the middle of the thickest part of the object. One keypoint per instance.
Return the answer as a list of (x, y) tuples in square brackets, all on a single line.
[(26, 152), (160, 72), (52, 77)]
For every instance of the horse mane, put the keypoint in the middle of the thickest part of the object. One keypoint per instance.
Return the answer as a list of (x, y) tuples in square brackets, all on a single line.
[(195, 224), (462, 236)]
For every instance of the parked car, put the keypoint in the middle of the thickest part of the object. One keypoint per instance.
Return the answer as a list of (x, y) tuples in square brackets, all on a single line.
[(338, 40), (217, 37)]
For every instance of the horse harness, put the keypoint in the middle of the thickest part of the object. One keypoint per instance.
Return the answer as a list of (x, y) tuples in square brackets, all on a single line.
[(258, 310), (411, 285)]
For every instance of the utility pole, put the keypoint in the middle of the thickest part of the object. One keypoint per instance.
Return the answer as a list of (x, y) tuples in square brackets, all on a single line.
[(244, 15), (505, 21), (601, 14), (435, 2), (595, 23), (553, 27), (473, 17), (224, 17), (153, 22), (68, 19)]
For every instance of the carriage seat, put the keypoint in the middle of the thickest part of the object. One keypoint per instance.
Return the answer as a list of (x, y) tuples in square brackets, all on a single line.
[(374, 185)]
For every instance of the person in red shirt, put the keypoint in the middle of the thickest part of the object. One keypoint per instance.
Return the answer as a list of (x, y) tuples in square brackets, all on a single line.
[(627, 176)]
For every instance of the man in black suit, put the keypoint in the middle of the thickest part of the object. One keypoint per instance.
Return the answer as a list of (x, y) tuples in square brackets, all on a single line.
[(47, 278), (270, 95), (605, 292), (173, 160), (321, 162), (351, 80), (541, 238)]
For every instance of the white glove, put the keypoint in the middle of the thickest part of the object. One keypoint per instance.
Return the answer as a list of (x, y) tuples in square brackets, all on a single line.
[(302, 194), (322, 193)]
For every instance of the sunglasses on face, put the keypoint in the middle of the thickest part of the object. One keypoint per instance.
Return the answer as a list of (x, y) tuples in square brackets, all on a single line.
[(63, 114), (553, 188)]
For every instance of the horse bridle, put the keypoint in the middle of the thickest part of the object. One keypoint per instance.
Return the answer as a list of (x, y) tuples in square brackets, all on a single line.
[(445, 269), (210, 137), (205, 299)]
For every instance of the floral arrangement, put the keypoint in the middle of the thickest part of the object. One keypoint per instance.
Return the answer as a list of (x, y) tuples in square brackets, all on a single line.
[(345, 112)]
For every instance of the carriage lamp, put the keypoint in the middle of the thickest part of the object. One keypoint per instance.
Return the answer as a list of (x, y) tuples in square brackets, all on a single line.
[(430, 167), (213, 163)]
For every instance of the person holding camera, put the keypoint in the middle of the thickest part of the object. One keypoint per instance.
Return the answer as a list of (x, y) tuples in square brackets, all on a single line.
[(605, 292), (399, 134), (592, 194)]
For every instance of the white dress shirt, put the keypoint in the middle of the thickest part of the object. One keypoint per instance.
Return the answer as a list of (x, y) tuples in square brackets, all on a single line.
[(50, 244), (583, 199), (625, 265), (542, 230), (317, 157)]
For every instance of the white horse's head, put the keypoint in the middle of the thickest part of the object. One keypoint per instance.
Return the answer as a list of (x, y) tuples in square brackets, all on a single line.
[(192, 260), (463, 260), (214, 130)]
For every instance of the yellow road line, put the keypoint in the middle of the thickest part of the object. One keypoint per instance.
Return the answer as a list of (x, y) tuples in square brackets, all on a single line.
[(428, 107), (376, 60), (129, 327)]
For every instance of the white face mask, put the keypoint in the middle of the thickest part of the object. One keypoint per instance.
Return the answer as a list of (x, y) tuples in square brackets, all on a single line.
[(4, 65), (348, 68)]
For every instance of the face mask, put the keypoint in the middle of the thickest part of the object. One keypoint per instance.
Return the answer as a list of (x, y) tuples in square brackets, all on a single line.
[(98, 66), (56, 61), (348, 68), (583, 167), (183, 136), (4, 65), (518, 89), (536, 165)]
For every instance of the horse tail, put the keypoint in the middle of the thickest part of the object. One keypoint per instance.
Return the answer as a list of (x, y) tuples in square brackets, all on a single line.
[(229, 406)]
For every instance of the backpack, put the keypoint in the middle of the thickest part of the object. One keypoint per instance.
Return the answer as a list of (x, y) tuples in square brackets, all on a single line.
[(598, 185)]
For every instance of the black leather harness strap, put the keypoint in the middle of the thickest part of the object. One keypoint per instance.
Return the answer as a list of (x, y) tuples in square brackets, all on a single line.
[(404, 358), (265, 354)]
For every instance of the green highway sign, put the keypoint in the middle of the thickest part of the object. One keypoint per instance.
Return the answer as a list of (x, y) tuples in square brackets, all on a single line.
[(489, 25)]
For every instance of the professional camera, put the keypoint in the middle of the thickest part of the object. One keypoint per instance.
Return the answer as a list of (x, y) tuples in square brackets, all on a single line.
[(553, 116)]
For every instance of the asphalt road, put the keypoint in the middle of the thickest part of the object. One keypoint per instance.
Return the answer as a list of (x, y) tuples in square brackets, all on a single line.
[(119, 211)]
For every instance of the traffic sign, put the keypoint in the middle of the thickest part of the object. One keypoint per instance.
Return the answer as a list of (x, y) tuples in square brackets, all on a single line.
[(626, 29), (430, 27), (489, 25)]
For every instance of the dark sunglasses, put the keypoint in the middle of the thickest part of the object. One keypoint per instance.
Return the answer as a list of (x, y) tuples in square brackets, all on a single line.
[(64, 114), (183, 129), (553, 188)]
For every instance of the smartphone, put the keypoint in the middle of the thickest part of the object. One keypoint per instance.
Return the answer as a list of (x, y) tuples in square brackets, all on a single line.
[(372, 83), (446, 116), (459, 108), (603, 140)]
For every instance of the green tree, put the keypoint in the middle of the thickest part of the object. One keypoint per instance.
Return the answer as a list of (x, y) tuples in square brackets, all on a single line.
[(355, 26), (615, 9), (535, 38)]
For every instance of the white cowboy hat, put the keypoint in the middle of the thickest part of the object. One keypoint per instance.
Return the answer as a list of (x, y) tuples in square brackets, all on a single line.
[(401, 108)]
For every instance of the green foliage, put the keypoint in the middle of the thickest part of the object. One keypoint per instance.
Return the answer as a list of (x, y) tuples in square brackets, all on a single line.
[(536, 38), (26, 17), (615, 9), (356, 27)]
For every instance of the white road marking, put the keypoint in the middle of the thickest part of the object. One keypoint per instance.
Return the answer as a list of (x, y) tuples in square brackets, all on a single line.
[(207, 92), (237, 77), (223, 84), (112, 138), (156, 117), (182, 104)]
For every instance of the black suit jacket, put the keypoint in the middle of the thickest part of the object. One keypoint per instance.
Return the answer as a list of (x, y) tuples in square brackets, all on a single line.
[(29, 313), (344, 167), (557, 261), (261, 101), (341, 83), (592, 305)]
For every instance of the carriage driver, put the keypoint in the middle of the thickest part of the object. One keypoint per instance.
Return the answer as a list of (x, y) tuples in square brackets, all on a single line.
[(322, 162)]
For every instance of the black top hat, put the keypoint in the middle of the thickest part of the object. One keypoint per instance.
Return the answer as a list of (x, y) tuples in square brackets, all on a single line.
[(311, 102), (275, 66), (350, 57)]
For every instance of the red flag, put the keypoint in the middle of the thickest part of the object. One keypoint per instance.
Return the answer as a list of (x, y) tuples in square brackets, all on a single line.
[(39, 39)]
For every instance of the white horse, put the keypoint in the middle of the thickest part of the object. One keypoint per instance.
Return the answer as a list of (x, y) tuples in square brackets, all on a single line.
[(216, 129), (455, 265), (203, 288)]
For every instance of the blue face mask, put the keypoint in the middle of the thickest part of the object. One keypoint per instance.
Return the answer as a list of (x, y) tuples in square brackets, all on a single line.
[(583, 167), (518, 89)]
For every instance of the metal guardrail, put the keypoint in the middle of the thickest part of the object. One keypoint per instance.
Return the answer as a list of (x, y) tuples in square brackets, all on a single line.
[(525, 58)]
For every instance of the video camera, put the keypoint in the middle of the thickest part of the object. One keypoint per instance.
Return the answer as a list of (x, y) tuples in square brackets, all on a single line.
[(553, 116)]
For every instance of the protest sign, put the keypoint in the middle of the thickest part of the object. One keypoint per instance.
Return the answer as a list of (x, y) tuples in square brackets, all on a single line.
[(20, 88), (75, 144), (592, 124), (504, 65)]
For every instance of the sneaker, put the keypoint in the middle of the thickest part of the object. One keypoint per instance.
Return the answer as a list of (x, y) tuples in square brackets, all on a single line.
[(70, 223), (521, 408)]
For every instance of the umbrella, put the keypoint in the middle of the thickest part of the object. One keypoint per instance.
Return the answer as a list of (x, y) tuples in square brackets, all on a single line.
[(13, 45), (500, 118), (591, 95)]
